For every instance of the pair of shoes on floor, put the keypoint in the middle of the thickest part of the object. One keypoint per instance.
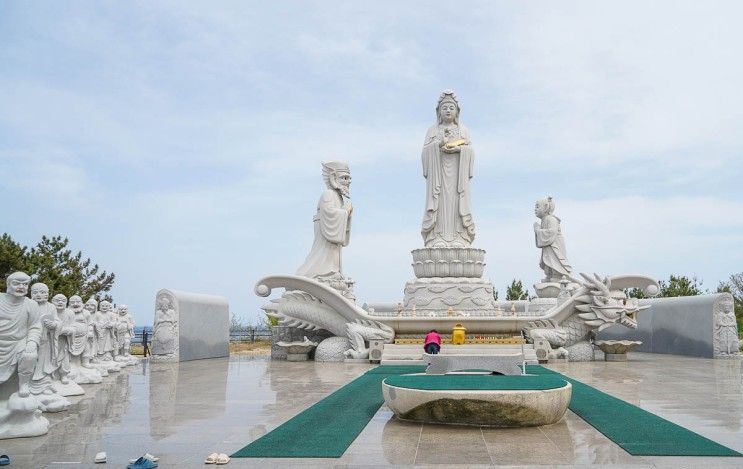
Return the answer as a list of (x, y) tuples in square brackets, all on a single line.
[(217, 458), (146, 456), (4, 460), (147, 461)]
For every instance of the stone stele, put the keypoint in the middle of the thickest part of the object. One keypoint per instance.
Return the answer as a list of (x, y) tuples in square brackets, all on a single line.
[(190, 326)]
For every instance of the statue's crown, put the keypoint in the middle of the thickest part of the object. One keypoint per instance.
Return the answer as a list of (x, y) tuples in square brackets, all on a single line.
[(333, 166), (447, 96)]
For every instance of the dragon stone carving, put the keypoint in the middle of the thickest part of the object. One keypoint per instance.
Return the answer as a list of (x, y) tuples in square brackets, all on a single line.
[(311, 305), (597, 305)]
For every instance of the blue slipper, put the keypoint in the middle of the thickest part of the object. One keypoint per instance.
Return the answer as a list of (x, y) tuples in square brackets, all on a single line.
[(4, 460), (142, 463)]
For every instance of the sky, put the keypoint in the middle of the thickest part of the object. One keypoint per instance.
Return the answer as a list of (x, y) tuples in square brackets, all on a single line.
[(178, 143)]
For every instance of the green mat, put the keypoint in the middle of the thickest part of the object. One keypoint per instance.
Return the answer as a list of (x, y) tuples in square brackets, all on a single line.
[(328, 428), (476, 382), (637, 431)]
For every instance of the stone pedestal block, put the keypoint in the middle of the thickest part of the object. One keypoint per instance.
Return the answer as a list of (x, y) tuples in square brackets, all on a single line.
[(439, 294), (615, 357), (190, 326)]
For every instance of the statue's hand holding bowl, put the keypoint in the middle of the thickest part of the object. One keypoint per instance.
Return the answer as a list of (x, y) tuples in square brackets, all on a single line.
[(31, 350)]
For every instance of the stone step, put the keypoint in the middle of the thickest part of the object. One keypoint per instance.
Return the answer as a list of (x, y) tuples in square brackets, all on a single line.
[(460, 347), (394, 361), (411, 352)]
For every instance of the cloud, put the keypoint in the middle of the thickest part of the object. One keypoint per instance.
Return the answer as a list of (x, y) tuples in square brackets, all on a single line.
[(191, 136)]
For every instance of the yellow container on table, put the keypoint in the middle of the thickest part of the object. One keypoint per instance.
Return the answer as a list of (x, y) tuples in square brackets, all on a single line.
[(457, 334)]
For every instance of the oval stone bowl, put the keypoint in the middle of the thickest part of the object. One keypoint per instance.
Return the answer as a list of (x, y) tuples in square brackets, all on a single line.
[(477, 399)]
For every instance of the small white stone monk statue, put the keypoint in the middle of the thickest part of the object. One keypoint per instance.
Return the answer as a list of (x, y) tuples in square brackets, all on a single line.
[(103, 328), (42, 381), (448, 161), (20, 335), (107, 322), (124, 333), (548, 237), (90, 311), (332, 223), (79, 346), (64, 316)]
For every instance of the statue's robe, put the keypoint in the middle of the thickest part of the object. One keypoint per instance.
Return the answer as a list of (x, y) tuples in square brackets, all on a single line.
[(19, 324), (332, 232), (99, 327), (447, 220), (46, 363), (66, 318), (78, 343), (108, 323), (92, 341), (549, 237)]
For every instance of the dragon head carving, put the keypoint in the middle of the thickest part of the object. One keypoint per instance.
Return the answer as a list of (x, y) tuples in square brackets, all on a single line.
[(601, 306)]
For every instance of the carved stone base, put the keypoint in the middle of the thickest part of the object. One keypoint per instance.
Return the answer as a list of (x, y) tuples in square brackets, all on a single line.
[(48, 397), (297, 357), (615, 357), (83, 375), (68, 389), (439, 294), (21, 417), (448, 262), (111, 366), (102, 369), (539, 306)]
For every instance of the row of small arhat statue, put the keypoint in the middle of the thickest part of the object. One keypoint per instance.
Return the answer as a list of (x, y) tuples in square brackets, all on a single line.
[(47, 350)]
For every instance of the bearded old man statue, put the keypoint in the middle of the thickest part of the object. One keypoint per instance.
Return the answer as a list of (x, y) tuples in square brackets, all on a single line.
[(332, 223), (20, 335)]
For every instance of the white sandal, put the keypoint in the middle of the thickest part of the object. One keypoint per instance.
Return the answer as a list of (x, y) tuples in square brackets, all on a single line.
[(223, 459), (211, 459)]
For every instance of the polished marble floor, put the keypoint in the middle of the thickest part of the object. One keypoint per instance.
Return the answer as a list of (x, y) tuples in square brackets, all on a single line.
[(183, 412)]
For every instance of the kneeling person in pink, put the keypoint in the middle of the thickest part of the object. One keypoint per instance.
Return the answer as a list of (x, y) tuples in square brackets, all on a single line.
[(432, 343)]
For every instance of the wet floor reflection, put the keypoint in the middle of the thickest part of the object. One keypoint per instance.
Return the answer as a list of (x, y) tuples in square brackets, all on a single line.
[(184, 393)]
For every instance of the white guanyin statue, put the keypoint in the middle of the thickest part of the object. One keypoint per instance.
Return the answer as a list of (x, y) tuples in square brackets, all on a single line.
[(79, 332), (20, 335), (42, 381), (124, 334), (332, 223), (448, 160)]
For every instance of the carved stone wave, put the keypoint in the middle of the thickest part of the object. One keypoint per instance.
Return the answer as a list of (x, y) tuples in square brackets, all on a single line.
[(448, 262), (462, 296)]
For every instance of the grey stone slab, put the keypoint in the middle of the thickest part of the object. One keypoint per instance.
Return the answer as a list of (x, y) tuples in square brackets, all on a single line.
[(697, 326)]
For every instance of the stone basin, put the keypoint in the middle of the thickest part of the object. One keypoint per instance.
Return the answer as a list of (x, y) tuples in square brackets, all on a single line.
[(297, 351), (477, 399), (616, 350)]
